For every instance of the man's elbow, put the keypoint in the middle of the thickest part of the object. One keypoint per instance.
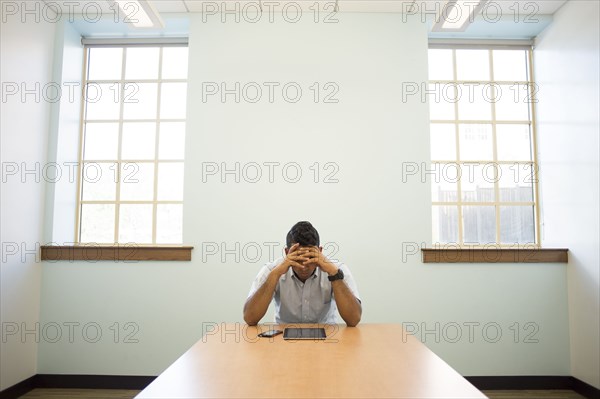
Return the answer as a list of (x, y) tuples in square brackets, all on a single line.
[(248, 318), (354, 318), (353, 322), (250, 321)]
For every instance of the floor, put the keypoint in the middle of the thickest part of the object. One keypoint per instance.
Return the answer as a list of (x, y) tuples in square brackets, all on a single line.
[(531, 394), (43, 393)]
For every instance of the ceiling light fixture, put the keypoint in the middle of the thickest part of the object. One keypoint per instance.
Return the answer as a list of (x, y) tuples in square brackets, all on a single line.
[(456, 15), (139, 13)]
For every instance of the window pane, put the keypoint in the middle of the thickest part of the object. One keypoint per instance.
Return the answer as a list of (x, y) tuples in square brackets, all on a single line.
[(444, 182), (443, 141), (170, 181), (479, 224), (105, 63), (440, 64), (514, 142), (173, 100), (124, 138), (445, 224), (169, 224), (175, 63), (172, 140), (98, 223), (517, 225), (512, 103), (477, 182), (101, 141), (138, 140), (510, 65), (441, 98), (490, 139), (474, 102), (139, 101), (516, 183), (135, 223), (475, 142), (102, 101), (472, 65), (142, 63), (98, 181), (137, 181)]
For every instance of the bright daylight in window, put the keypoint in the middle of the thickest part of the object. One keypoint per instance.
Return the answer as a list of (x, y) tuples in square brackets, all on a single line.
[(482, 147), (132, 154)]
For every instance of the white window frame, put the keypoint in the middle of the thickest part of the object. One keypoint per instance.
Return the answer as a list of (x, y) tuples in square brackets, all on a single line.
[(493, 122), (124, 43)]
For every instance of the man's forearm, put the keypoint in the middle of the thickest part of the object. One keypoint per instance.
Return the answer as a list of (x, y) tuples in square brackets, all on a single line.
[(256, 306), (348, 305)]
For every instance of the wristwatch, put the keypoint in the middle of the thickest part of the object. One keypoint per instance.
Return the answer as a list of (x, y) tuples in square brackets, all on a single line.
[(338, 276)]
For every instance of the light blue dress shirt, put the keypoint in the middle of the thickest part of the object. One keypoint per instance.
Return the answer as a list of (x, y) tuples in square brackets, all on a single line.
[(309, 302)]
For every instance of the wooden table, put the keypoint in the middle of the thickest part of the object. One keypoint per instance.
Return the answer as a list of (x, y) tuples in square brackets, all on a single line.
[(368, 361)]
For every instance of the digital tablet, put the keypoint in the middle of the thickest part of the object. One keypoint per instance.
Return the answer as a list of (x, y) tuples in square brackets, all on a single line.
[(304, 333)]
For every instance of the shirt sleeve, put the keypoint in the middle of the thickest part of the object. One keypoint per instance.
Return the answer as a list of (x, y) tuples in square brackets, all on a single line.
[(349, 279), (261, 277)]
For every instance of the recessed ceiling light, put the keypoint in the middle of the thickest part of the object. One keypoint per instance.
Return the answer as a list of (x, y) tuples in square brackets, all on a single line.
[(139, 13), (456, 15)]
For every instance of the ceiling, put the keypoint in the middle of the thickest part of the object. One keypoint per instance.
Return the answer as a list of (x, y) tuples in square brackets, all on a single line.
[(533, 15), (525, 7)]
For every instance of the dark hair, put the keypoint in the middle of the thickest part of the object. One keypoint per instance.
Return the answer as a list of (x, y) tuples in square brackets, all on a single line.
[(304, 234)]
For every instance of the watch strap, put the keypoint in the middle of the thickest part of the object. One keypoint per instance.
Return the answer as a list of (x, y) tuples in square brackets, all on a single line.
[(338, 276)]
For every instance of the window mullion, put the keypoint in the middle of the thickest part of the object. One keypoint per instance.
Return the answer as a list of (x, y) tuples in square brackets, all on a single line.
[(156, 143), (457, 138), (82, 117), (495, 149), (120, 145)]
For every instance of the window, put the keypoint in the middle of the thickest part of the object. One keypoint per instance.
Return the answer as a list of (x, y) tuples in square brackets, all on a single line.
[(132, 153), (482, 146)]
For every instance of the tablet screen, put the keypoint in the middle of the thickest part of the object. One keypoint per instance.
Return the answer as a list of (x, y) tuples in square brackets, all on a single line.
[(304, 333)]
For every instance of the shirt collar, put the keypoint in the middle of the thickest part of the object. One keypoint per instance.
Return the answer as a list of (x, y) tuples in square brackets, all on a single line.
[(315, 275)]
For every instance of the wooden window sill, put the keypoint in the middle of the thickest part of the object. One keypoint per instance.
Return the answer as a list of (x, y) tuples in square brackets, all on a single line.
[(494, 255), (116, 252)]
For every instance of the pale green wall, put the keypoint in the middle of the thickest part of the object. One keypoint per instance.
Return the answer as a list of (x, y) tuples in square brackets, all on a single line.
[(370, 214), (568, 137), (27, 58)]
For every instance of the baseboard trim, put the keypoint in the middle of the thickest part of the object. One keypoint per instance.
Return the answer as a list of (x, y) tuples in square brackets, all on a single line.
[(19, 389), (140, 382), (93, 381), (535, 382), (521, 382), (73, 381), (585, 389)]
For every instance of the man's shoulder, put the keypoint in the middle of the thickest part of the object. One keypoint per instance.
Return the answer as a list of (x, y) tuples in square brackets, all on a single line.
[(272, 264), (267, 267)]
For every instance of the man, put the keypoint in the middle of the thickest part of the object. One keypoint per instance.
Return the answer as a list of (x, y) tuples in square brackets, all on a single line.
[(305, 285)]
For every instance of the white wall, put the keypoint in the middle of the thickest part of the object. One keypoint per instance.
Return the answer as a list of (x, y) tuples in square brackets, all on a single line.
[(64, 136), (567, 71), (27, 57), (370, 214)]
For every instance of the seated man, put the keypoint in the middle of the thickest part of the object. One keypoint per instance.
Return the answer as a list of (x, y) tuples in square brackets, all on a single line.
[(306, 286)]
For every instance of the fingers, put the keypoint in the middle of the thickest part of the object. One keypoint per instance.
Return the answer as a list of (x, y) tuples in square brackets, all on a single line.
[(303, 257), (298, 265), (298, 258), (310, 254)]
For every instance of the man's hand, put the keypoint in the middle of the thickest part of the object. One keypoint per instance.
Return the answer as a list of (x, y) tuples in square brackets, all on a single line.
[(316, 257), (295, 257)]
